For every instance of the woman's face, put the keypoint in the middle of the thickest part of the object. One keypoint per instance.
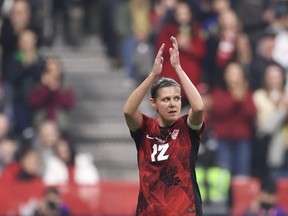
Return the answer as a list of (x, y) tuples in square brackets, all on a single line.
[(53, 66), (63, 151), (274, 79), (27, 41), (53, 69), (228, 21), (31, 163), (167, 105), (169, 4), (183, 14), (8, 150), (266, 47), (49, 134), (220, 5), (20, 15), (234, 75)]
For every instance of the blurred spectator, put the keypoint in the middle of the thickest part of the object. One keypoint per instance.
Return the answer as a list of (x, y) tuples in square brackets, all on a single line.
[(276, 15), (108, 29), (188, 33), (18, 20), (48, 136), (51, 100), (266, 202), (220, 6), (280, 52), (51, 204), (271, 102), (262, 58), (37, 17), (214, 184), (232, 118), (25, 69), (261, 15), (214, 181), (134, 28), (161, 13), (207, 150), (211, 21), (243, 52), (64, 18), (1, 3), (6, 105), (221, 48), (8, 149), (91, 16), (27, 169), (68, 166), (4, 126), (200, 8)]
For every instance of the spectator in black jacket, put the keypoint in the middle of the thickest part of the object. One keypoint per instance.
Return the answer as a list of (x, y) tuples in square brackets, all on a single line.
[(25, 69), (18, 20)]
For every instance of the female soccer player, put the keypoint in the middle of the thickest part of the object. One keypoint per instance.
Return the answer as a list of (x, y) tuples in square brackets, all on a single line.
[(168, 145)]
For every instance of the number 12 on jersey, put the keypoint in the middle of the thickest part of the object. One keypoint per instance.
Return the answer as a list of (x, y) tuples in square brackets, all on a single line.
[(159, 151)]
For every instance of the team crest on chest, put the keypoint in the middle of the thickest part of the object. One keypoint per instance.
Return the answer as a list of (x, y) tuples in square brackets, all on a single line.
[(174, 134)]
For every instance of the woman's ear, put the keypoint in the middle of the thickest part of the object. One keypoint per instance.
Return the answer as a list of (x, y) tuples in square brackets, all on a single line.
[(152, 103)]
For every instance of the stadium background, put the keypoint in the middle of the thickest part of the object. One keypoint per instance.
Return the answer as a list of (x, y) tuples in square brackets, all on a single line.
[(101, 87)]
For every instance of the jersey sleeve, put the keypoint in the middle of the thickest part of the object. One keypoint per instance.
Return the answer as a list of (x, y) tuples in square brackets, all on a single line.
[(138, 134)]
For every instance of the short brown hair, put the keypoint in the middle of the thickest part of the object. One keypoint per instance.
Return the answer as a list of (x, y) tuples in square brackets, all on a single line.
[(161, 83)]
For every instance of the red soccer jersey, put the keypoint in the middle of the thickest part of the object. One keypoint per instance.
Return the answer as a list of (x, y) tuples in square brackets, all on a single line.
[(166, 161)]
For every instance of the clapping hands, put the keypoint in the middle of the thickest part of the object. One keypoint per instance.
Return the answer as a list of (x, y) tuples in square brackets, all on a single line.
[(158, 62), (174, 57), (174, 53)]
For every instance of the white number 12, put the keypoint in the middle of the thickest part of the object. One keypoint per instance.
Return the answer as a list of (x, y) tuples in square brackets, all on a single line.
[(162, 150)]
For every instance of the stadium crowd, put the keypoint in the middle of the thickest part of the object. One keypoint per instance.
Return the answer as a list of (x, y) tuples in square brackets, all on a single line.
[(235, 52), (36, 145)]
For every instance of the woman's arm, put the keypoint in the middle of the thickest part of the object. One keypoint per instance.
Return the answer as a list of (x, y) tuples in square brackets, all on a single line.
[(132, 114), (196, 111), (38, 97)]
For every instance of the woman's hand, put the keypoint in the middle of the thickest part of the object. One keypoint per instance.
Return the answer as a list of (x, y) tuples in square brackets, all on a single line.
[(174, 53), (158, 62)]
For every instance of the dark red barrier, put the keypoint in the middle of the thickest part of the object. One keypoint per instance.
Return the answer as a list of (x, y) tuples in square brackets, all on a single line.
[(13, 196), (283, 193), (245, 190), (106, 198), (112, 198)]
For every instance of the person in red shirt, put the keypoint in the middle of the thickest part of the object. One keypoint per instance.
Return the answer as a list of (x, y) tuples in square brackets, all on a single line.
[(168, 145), (50, 99), (232, 117), (27, 169), (191, 43)]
